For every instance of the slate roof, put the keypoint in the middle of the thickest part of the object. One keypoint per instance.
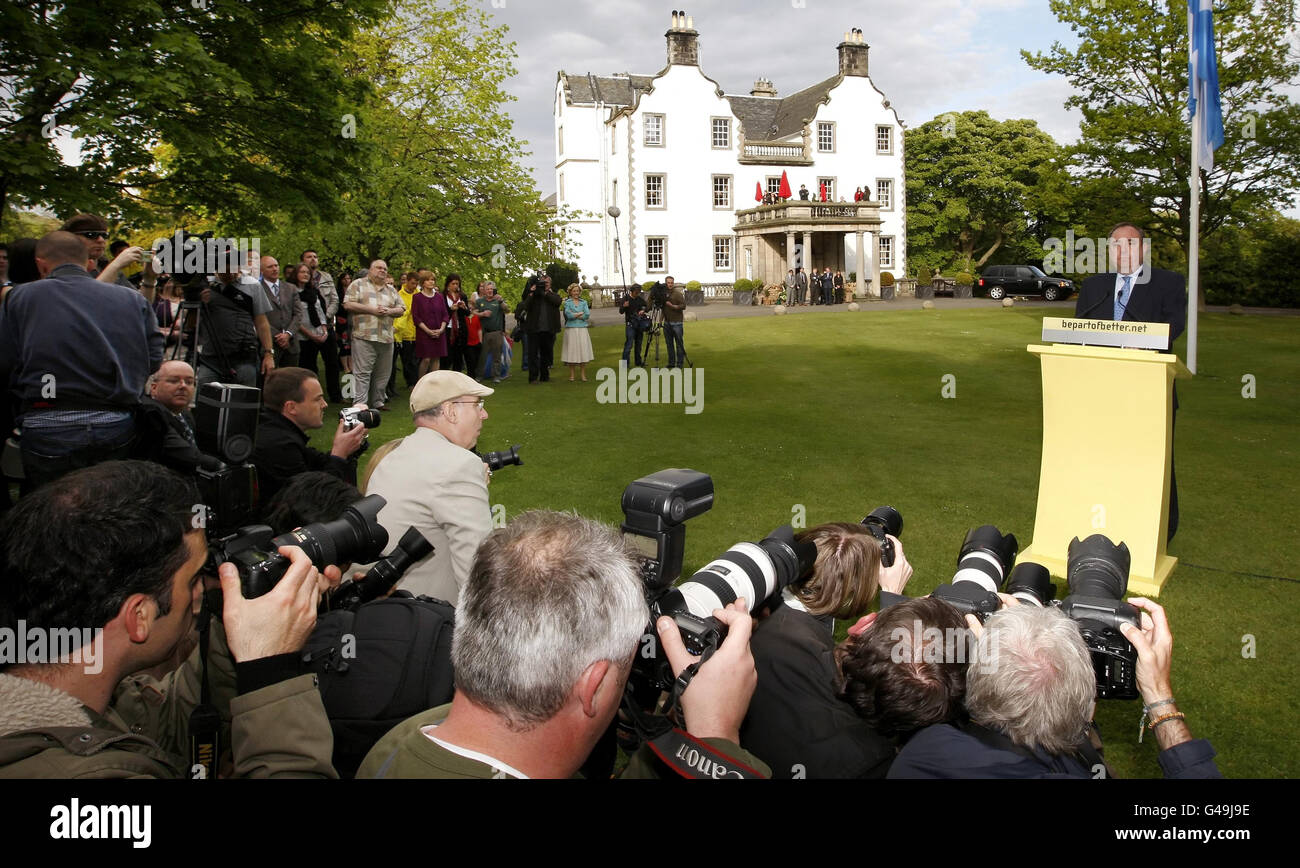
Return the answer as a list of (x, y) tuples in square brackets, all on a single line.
[(763, 119), (611, 90)]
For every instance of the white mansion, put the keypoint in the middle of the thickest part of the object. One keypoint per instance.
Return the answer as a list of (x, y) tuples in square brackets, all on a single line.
[(681, 160)]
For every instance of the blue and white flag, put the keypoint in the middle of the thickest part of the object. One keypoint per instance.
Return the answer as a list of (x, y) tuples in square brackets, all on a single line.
[(1203, 78)]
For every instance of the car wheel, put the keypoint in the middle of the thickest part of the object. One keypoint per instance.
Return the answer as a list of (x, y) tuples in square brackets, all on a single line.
[(1051, 293), (996, 293)]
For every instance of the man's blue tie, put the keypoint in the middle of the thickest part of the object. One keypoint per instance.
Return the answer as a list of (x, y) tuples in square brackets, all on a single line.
[(1121, 300)]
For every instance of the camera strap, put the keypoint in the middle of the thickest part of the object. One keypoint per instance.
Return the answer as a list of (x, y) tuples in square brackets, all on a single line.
[(205, 720)]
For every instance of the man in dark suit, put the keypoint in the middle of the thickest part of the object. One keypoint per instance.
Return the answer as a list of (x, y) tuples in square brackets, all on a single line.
[(286, 313), (1136, 292), (166, 426)]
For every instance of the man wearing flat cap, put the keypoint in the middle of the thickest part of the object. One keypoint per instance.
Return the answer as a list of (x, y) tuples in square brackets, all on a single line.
[(433, 482)]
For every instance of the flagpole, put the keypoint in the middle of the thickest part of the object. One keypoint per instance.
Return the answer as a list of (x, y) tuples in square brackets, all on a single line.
[(1194, 183)]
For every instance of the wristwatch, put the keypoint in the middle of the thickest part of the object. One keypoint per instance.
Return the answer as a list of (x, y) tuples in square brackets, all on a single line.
[(267, 351)]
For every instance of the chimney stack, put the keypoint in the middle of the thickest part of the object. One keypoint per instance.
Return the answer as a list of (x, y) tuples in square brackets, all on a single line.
[(853, 53), (683, 41), (763, 87)]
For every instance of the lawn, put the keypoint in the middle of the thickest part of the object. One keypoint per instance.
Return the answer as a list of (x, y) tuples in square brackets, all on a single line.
[(826, 416)]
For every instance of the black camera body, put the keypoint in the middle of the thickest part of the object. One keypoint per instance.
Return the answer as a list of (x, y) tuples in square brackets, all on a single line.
[(984, 561), (1097, 575), (230, 493), (654, 508), (355, 537), (881, 522), (658, 295)]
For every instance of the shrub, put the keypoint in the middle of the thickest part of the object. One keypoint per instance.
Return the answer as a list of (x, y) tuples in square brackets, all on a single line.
[(742, 285), (562, 274), (886, 279), (964, 278), (924, 275), (692, 285), (648, 285)]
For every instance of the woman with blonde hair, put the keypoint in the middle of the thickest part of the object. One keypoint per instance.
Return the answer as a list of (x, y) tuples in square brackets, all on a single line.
[(577, 342)]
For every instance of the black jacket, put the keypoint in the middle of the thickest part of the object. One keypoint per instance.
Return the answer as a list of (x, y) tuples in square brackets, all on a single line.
[(542, 311), (796, 722), (631, 307), (280, 453), (1162, 298), (944, 751), (168, 439)]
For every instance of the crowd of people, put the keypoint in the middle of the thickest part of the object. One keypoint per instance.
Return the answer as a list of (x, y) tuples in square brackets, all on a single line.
[(549, 610)]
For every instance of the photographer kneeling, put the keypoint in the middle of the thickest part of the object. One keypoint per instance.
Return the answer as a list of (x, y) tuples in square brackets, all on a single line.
[(1030, 689), (797, 723), (109, 554), (546, 631)]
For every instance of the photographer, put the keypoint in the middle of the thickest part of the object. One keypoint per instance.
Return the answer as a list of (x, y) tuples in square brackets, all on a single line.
[(796, 721), (112, 548), (1030, 690), (235, 318), (674, 307), (546, 632), (433, 482), (293, 403), (636, 318), (541, 306)]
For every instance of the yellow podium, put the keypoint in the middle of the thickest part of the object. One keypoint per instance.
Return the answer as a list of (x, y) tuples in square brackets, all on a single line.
[(1107, 440)]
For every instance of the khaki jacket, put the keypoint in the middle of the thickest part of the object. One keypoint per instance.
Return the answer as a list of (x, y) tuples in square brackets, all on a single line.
[(277, 731)]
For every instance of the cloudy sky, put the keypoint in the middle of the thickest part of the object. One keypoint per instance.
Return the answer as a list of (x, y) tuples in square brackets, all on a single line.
[(928, 56)]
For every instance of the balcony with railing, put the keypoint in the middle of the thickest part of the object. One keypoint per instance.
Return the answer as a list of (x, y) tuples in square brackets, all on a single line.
[(775, 154)]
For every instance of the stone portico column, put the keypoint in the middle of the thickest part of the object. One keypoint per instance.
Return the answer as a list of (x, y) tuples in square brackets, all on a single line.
[(807, 253), (859, 261), (875, 261), (789, 251)]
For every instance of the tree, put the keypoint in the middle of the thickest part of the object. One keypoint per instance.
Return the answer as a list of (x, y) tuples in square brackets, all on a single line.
[(230, 107), (1130, 69), (973, 188), (444, 184)]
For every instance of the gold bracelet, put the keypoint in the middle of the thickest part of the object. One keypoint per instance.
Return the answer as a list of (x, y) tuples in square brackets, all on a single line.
[(1173, 715)]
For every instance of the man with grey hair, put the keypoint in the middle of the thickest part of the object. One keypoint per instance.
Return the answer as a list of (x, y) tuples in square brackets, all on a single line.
[(1029, 694), (546, 633), (374, 304), (433, 482)]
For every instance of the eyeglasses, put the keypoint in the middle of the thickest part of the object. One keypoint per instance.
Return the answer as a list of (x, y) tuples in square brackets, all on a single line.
[(102, 236), (479, 402)]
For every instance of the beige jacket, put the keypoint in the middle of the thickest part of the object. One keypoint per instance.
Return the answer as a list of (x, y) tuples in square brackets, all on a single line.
[(440, 488)]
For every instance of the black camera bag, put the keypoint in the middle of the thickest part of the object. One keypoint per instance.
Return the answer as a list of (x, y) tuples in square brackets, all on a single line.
[(387, 661)]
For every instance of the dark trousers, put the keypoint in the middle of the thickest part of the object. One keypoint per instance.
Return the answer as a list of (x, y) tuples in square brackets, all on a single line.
[(51, 453), (633, 334), (309, 351), (472, 356), (541, 355), (676, 348), (455, 358), (403, 359)]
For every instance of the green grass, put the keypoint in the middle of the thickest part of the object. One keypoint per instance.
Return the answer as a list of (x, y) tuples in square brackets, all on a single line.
[(842, 412)]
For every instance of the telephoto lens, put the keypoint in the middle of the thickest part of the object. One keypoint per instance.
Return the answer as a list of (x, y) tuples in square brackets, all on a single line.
[(502, 458), (1031, 583), (354, 537), (1097, 576), (985, 559), (755, 571), (881, 521)]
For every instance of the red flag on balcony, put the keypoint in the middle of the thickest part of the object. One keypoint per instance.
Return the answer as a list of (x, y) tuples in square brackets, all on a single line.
[(758, 192), (784, 189), (823, 191)]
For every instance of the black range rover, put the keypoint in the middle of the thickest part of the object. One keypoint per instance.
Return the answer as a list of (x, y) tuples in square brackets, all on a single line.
[(1000, 281)]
